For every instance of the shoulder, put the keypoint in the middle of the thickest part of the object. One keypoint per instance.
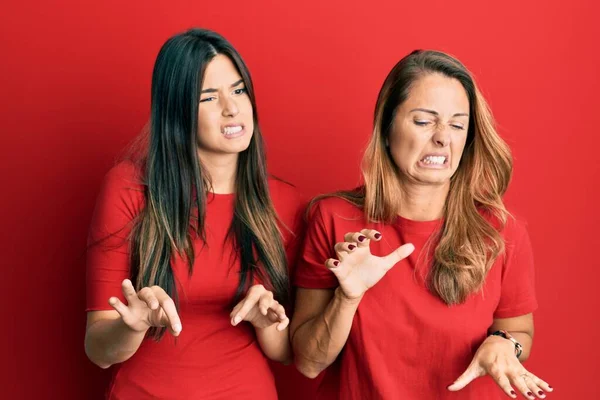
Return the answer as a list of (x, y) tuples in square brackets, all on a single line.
[(123, 184), (332, 207)]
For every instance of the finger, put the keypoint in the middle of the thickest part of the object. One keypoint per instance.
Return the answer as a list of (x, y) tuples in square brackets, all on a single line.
[(371, 234), (543, 385), (343, 248), (148, 297), (265, 302), (121, 308), (279, 310), (504, 383), (399, 254), (283, 324), (332, 263), (338, 268), (129, 291), (168, 306), (236, 309), (539, 385), (357, 238), (248, 304), (470, 374), (520, 384)]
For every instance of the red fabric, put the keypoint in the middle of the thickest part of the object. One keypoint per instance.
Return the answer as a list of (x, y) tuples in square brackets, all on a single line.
[(210, 359), (405, 343)]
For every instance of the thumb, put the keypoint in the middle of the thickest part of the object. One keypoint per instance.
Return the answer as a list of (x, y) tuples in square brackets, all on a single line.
[(467, 377), (399, 254)]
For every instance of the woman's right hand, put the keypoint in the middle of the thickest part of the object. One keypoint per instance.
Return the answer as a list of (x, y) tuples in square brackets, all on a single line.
[(150, 307), (356, 269)]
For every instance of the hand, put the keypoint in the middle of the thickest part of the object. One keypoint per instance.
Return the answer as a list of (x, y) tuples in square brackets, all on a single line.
[(356, 269), (260, 309), (496, 357), (150, 307)]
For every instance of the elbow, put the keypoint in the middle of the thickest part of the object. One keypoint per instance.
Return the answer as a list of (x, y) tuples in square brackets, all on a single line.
[(309, 370), (94, 359)]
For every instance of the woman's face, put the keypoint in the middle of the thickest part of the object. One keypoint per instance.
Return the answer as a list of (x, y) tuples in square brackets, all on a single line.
[(429, 130), (225, 116)]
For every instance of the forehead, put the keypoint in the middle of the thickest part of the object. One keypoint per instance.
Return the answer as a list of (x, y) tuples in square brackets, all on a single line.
[(220, 71), (439, 93)]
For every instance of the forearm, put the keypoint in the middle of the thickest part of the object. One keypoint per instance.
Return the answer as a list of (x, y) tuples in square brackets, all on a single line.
[(275, 344), (319, 341), (110, 341)]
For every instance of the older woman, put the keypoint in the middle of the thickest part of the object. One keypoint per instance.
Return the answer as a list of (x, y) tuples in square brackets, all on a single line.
[(428, 280)]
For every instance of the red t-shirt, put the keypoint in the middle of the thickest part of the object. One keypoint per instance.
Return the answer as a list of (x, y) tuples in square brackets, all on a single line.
[(210, 359), (405, 343)]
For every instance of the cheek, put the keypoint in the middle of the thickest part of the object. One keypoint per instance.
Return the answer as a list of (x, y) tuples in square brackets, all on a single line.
[(208, 125)]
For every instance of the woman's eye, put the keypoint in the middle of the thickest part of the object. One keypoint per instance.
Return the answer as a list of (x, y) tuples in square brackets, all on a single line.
[(459, 127), (239, 91), (421, 122), (207, 99)]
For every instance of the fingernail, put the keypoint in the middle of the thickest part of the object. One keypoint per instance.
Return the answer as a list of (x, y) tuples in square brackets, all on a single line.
[(177, 327), (336, 263), (512, 392), (550, 387), (529, 394), (351, 247), (237, 319), (541, 393), (377, 235), (361, 238)]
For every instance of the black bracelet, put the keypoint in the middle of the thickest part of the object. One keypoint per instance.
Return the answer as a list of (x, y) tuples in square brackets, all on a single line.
[(506, 335)]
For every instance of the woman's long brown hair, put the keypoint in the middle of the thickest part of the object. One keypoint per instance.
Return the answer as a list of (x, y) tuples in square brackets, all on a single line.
[(176, 186)]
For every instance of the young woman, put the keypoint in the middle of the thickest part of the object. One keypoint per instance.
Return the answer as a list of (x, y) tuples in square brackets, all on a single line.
[(428, 281), (190, 237)]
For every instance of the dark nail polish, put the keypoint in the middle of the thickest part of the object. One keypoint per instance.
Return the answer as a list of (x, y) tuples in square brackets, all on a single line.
[(541, 393), (361, 238), (512, 392), (529, 394), (549, 387), (377, 235), (351, 247), (336, 263)]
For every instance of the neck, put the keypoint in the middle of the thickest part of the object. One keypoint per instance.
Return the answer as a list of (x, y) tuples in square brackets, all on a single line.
[(423, 202), (222, 169)]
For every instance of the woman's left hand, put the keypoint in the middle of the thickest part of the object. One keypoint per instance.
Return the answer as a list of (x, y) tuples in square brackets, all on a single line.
[(260, 309), (496, 357)]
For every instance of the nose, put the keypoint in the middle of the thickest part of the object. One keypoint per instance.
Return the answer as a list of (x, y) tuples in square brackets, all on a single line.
[(441, 137), (230, 108)]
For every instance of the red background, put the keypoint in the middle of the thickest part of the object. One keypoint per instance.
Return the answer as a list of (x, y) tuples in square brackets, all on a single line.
[(75, 85)]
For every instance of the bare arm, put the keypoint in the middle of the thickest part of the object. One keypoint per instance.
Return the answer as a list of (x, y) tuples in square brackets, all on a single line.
[(108, 340), (320, 328), (323, 317)]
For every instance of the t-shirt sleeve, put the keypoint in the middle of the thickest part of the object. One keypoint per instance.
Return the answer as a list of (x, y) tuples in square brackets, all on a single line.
[(518, 281), (107, 258), (318, 246)]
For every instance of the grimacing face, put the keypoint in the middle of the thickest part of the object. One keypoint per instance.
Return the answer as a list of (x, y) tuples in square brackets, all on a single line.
[(429, 130), (225, 115)]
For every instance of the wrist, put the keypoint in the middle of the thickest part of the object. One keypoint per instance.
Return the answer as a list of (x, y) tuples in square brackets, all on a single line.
[(343, 298), (509, 339)]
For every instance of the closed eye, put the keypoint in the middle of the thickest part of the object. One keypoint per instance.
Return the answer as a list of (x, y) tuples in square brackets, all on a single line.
[(421, 122), (207, 99)]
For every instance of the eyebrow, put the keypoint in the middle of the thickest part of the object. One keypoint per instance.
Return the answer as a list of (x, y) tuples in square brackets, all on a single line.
[(436, 113), (211, 90)]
